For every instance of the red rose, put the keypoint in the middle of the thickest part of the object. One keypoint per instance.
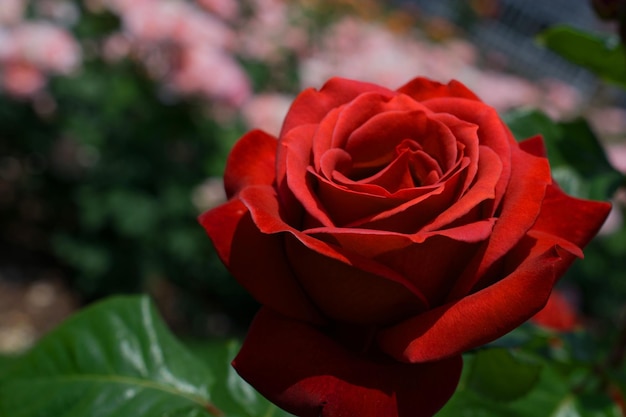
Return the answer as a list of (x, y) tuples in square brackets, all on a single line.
[(385, 233)]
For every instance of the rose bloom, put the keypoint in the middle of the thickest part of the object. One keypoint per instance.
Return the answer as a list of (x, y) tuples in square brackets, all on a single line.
[(385, 233)]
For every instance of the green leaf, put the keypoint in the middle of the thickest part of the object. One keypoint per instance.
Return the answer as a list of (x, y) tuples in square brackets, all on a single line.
[(500, 376), (233, 395), (578, 161), (601, 54), (560, 390), (115, 358)]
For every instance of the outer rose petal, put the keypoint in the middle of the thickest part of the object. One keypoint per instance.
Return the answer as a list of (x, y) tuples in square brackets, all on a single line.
[(311, 106), (571, 219), (250, 162), (422, 89), (313, 376), (530, 176), (481, 317), (257, 261)]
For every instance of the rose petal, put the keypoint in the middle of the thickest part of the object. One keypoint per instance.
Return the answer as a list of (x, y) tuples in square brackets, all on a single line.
[(296, 152), (360, 291), (488, 170), (534, 146), (345, 206), (316, 264), (571, 219), (400, 253), (313, 376), (520, 208), (334, 130), (412, 216), (492, 133), (311, 106), (257, 255), (422, 89), (373, 143), (481, 317), (251, 161)]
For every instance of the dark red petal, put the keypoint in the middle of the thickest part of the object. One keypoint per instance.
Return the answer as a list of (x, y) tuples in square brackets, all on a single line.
[(374, 141), (422, 89), (434, 265), (534, 146), (492, 132), (571, 219), (308, 374), (250, 162), (356, 207), (311, 106), (358, 291), (257, 260), (337, 127), (363, 108), (295, 160), (483, 316), (521, 206), (330, 275), (488, 170)]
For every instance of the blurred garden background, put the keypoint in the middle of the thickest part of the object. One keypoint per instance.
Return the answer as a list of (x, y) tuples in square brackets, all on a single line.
[(116, 117)]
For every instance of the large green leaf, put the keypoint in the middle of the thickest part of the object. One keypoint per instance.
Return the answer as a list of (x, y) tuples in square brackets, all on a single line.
[(233, 395), (604, 55), (579, 163), (114, 359)]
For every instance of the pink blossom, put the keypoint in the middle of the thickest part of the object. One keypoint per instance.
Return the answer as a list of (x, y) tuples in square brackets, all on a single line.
[(608, 121), (116, 47), (21, 79), (213, 73), (225, 9), (267, 111), (273, 29), (43, 45), (173, 21), (11, 11)]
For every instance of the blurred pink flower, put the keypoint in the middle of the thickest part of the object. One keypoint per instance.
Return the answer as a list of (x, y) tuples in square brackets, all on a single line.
[(616, 152), (504, 91), (608, 121), (116, 47), (225, 9), (44, 45), (11, 11), (21, 79), (272, 29), (213, 73), (32, 50), (182, 45), (560, 99), (172, 21), (267, 112)]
